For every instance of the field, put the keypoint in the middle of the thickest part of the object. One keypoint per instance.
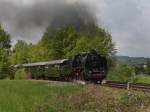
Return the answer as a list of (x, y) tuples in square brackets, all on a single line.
[(27, 96), (142, 79), (41, 96)]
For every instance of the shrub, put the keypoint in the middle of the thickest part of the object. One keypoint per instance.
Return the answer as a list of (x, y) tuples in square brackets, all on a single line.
[(20, 74), (121, 73)]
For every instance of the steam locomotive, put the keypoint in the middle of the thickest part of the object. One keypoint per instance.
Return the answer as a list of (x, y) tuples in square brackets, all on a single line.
[(88, 66)]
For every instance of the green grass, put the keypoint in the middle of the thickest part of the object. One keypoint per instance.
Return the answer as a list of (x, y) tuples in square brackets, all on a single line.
[(42, 96), (26, 96), (142, 79)]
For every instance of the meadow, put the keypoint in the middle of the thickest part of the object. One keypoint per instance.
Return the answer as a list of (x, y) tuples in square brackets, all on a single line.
[(44, 96), (27, 96)]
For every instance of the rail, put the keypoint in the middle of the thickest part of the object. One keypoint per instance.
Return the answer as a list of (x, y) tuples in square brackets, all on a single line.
[(128, 86)]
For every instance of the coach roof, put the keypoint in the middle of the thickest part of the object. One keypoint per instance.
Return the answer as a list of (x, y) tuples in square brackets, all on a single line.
[(55, 62)]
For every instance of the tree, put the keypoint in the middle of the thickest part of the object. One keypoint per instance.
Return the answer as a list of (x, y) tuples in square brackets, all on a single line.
[(121, 72), (4, 53), (82, 45), (57, 44), (39, 53), (21, 53), (102, 42), (147, 68), (68, 41), (4, 40)]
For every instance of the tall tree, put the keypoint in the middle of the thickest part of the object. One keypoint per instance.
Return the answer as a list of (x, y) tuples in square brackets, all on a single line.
[(67, 41), (5, 41), (4, 53), (39, 53), (21, 53), (102, 42), (57, 43)]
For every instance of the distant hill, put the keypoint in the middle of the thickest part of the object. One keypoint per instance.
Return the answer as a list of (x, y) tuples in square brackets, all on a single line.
[(133, 60)]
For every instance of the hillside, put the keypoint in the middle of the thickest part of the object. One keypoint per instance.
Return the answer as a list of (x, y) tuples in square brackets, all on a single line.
[(133, 60)]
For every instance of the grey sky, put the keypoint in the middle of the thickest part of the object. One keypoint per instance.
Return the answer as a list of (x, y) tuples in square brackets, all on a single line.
[(127, 20), (129, 23)]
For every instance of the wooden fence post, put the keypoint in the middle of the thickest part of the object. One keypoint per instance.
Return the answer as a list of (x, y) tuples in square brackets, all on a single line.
[(128, 85)]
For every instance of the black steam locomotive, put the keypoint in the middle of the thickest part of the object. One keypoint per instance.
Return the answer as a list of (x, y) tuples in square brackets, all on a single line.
[(86, 66)]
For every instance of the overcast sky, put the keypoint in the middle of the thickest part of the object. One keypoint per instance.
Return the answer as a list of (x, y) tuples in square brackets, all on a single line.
[(127, 20), (129, 23)]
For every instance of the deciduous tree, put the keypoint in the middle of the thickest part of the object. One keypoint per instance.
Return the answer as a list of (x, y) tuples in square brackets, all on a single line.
[(4, 53)]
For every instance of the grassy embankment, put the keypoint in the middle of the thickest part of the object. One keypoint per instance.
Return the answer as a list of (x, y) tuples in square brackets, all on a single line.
[(36, 96)]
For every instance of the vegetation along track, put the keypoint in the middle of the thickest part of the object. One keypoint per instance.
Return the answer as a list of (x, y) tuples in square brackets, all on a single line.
[(124, 85), (115, 84)]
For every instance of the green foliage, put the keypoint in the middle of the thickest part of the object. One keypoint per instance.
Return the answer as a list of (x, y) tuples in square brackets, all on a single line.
[(121, 73), (21, 53), (132, 60), (59, 43), (39, 53), (132, 101), (133, 98), (32, 96), (20, 74), (4, 40), (147, 69), (65, 42), (102, 42), (139, 70), (41, 96), (4, 65), (141, 64), (97, 99), (141, 79), (4, 53), (62, 43), (81, 46)]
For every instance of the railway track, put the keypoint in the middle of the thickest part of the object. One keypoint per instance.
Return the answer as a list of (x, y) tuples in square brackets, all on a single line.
[(114, 84), (128, 86)]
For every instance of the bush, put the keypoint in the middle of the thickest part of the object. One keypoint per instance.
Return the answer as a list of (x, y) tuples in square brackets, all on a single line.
[(20, 74), (121, 73)]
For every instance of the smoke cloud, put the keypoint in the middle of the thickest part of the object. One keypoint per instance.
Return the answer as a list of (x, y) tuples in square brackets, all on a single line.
[(28, 19)]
